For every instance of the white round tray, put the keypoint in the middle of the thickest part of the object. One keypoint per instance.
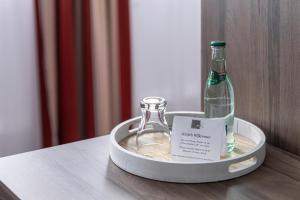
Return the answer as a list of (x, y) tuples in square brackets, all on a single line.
[(188, 172)]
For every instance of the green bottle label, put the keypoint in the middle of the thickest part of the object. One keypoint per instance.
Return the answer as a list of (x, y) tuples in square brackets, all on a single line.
[(215, 78)]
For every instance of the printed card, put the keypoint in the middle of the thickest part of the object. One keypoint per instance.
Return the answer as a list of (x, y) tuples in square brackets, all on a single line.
[(197, 139)]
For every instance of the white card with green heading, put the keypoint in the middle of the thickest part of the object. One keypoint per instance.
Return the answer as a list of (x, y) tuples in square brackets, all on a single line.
[(197, 139)]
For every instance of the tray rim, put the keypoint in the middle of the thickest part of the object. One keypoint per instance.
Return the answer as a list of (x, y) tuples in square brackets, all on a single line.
[(232, 160)]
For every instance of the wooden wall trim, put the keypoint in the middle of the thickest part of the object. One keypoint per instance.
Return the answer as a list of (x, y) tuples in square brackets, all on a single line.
[(263, 59)]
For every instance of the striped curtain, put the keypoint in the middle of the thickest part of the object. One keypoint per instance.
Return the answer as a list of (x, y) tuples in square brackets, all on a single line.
[(84, 67)]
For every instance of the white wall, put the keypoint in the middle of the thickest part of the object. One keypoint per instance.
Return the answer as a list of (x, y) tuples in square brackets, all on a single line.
[(166, 52), (19, 105)]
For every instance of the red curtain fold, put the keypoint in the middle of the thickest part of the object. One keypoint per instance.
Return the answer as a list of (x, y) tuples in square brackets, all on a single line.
[(73, 79), (124, 58), (67, 91), (88, 70)]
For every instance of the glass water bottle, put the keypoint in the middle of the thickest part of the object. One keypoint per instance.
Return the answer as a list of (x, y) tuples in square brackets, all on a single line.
[(219, 95), (153, 135)]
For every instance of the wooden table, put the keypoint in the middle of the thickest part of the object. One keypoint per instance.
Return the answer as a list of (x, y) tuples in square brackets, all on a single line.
[(83, 170)]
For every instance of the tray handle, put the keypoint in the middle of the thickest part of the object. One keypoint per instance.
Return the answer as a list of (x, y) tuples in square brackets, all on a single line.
[(242, 165)]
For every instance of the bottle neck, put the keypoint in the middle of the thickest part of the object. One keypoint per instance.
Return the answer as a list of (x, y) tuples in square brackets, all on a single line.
[(218, 60)]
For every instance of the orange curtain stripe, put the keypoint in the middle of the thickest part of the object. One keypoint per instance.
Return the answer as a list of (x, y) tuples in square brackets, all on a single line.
[(46, 127), (48, 25)]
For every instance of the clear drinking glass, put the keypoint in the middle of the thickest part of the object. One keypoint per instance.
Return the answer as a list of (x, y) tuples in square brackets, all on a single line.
[(153, 135)]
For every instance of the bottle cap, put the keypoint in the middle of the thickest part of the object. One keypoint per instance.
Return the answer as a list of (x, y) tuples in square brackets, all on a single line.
[(217, 43)]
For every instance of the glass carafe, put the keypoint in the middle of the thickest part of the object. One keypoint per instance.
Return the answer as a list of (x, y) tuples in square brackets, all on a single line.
[(153, 135)]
